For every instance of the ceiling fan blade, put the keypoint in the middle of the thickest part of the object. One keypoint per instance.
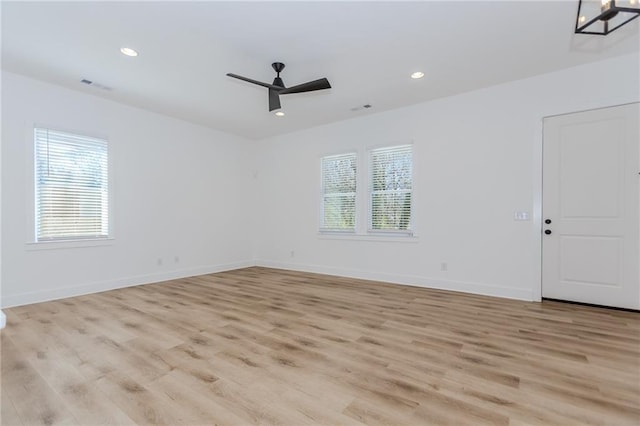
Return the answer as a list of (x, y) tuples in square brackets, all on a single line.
[(310, 86), (274, 100), (259, 83)]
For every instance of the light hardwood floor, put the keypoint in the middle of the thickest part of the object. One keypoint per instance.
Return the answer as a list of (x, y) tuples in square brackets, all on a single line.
[(264, 346)]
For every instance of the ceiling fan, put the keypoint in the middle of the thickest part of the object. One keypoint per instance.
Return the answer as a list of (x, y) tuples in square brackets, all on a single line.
[(277, 88)]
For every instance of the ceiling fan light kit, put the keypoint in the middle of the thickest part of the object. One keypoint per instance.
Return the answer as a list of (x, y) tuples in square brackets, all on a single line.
[(278, 88), (601, 17)]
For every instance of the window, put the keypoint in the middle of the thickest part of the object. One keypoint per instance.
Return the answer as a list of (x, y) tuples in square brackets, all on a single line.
[(390, 189), (339, 192), (71, 186)]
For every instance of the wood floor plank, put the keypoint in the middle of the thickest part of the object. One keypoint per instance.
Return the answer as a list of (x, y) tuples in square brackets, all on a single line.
[(8, 413), (35, 402), (267, 346), (178, 387), (142, 405)]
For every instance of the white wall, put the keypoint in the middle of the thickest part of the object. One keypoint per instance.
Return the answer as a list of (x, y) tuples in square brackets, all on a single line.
[(179, 190), (220, 202), (477, 160), (3, 317)]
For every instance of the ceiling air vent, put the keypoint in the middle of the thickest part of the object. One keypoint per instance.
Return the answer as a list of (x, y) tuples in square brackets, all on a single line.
[(361, 107), (96, 85)]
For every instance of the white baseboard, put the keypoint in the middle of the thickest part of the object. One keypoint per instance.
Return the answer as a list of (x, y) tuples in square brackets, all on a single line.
[(412, 280), (96, 287)]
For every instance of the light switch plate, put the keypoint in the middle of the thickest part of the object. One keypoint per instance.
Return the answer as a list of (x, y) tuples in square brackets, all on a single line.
[(519, 215)]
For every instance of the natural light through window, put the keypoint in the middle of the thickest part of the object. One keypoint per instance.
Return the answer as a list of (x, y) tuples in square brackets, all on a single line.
[(390, 189), (71, 186), (339, 192)]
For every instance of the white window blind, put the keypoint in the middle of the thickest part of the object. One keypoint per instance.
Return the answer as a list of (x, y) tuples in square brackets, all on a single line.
[(390, 189), (71, 186), (339, 192)]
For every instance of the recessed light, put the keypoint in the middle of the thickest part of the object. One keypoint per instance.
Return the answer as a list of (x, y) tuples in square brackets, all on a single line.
[(128, 51), (582, 19), (416, 75), (279, 113)]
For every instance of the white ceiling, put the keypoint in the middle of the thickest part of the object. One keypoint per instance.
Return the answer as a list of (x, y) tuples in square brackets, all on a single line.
[(367, 50)]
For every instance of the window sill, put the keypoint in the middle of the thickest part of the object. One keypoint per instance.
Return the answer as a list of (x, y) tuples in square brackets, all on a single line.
[(380, 238), (58, 245)]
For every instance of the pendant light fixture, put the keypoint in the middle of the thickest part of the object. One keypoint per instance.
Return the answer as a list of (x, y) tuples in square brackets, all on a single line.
[(604, 16)]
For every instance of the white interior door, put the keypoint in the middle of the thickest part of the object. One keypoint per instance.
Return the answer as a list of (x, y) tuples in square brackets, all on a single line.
[(590, 203)]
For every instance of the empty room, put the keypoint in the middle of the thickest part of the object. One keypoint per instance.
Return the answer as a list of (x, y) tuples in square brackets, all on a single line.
[(320, 213)]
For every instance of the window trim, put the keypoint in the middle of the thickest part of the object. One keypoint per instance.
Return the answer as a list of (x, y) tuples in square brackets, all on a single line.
[(372, 237), (32, 242), (362, 230), (65, 244)]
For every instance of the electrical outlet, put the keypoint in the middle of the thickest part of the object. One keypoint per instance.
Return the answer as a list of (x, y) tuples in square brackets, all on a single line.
[(159, 261), (176, 259), (293, 253), (444, 266)]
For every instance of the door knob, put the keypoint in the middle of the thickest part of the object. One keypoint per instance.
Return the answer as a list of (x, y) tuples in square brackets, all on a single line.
[(547, 221), (547, 231)]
